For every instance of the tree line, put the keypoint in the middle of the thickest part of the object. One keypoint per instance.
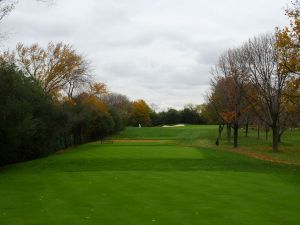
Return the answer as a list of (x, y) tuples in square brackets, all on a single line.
[(50, 101), (189, 115), (258, 83), (144, 115)]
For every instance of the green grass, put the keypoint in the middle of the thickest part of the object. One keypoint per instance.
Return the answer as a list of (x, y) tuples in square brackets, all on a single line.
[(151, 183), (289, 148), (160, 133)]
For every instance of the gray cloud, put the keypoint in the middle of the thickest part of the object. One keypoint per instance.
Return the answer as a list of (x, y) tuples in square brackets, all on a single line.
[(160, 50)]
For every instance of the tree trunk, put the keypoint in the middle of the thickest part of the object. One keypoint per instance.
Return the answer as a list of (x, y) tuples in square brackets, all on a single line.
[(235, 135), (247, 129), (258, 134), (279, 136), (74, 138), (77, 136), (275, 138), (267, 134), (65, 142), (220, 132), (80, 137), (228, 126)]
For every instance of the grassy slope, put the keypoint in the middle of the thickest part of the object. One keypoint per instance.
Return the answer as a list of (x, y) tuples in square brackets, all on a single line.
[(150, 183), (178, 133), (206, 136)]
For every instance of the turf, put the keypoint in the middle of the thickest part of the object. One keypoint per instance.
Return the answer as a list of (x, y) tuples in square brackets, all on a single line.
[(167, 133), (150, 183)]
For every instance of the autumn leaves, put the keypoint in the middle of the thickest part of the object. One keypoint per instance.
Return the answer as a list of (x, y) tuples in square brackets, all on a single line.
[(258, 82), (59, 69)]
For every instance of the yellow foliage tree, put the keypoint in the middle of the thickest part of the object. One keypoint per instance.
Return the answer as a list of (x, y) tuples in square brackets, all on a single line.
[(98, 89), (58, 68), (140, 113), (95, 104), (288, 47)]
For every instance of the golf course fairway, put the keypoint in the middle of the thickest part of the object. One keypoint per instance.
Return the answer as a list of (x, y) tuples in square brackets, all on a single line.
[(163, 180)]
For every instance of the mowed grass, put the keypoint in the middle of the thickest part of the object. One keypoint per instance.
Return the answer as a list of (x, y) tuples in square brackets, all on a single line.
[(205, 136), (167, 133), (165, 183)]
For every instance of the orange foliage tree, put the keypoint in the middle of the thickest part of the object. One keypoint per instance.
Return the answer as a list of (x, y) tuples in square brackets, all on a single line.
[(140, 113), (228, 88), (288, 47)]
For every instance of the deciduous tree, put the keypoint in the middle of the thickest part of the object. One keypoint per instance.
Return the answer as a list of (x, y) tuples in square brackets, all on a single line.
[(270, 84), (58, 68), (6, 6), (288, 47), (140, 113), (229, 84)]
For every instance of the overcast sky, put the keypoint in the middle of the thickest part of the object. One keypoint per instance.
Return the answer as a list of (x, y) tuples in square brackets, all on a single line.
[(159, 50)]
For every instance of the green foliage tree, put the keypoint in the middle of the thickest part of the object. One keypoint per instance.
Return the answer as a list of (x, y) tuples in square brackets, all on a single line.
[(29, 123), (34, 122), (189, 115)]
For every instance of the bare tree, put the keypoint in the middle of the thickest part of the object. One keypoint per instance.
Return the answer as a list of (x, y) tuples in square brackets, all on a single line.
[(6, 6), (268, 98), (230, 79), (118, 101)]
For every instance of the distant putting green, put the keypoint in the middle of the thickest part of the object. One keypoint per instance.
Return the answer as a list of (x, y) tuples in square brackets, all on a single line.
[(165, 183)]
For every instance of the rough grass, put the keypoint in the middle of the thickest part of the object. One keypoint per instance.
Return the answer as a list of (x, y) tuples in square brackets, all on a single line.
[(150, 183), (289, 148)]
